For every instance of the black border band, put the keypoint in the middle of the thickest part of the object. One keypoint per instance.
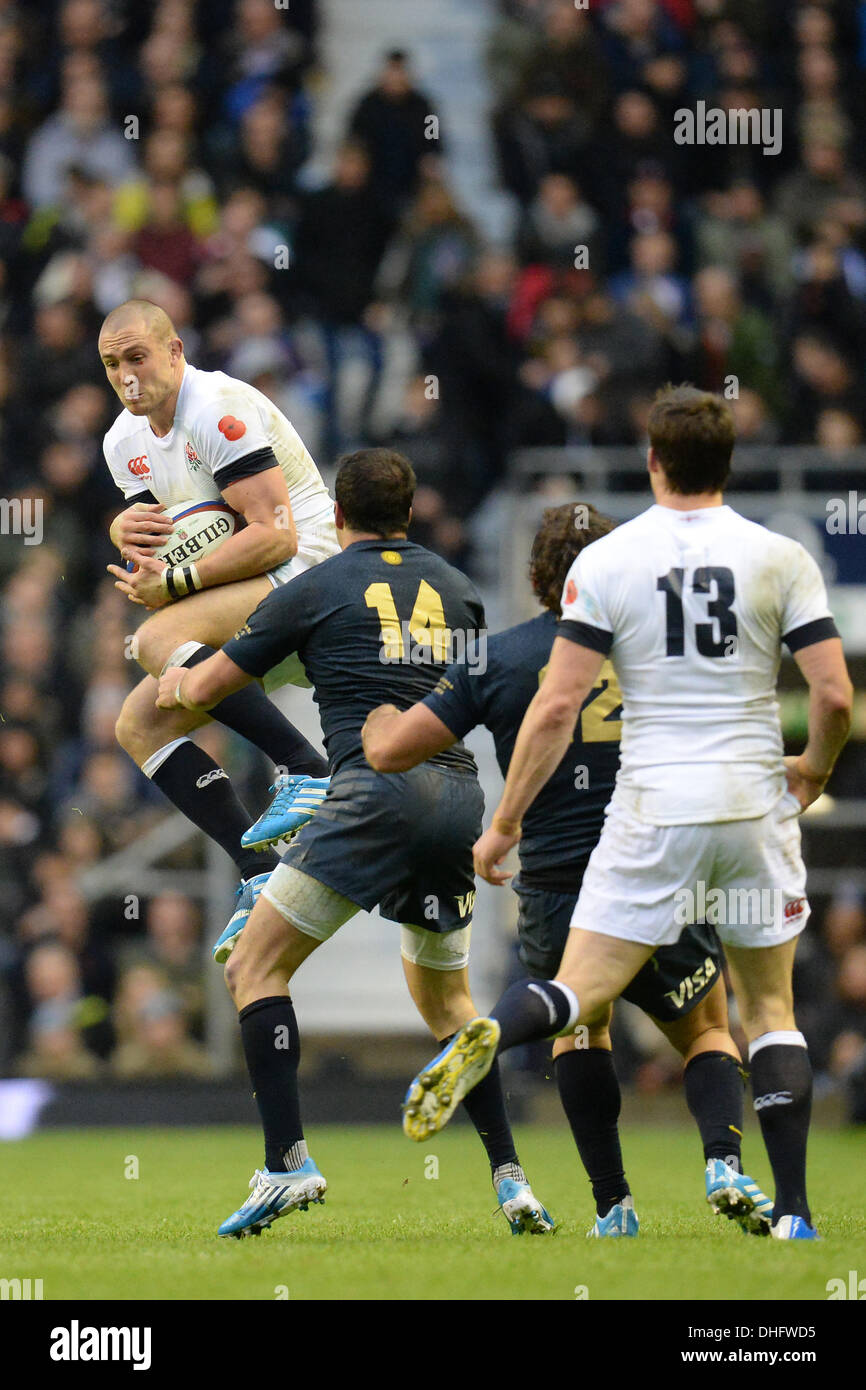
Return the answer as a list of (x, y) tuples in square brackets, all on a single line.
[(820, 630), (259, 461), (596, 638)]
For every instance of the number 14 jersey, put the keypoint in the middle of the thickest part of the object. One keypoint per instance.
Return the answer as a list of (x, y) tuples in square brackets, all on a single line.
[(693, 608), (377, 624)]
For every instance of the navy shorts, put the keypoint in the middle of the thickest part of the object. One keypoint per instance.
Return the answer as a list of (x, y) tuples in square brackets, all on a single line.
[(673, 981), (402, 840)]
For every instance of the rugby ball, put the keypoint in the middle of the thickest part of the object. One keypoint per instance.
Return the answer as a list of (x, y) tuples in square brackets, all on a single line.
[(199, 527)]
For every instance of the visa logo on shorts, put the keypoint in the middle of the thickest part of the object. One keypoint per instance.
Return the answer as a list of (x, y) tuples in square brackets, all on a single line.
[(690, 986)]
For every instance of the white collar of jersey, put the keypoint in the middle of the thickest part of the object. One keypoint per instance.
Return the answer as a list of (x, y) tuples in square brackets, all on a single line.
[(672, 516)]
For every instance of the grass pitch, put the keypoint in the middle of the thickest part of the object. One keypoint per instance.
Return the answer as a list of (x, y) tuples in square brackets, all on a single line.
[(401, 1221)]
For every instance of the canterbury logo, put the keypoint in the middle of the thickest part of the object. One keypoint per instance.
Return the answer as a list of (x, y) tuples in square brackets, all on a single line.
[(139, 466), (210, 777), (773, 1098)]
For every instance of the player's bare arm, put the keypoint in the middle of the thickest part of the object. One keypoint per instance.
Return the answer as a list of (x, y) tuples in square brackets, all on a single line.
[(396, 740), (202, 687), (830, 703), (545, 733), (269, 537)]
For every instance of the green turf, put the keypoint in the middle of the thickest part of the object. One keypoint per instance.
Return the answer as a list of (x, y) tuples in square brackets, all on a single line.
[(70, 1216)]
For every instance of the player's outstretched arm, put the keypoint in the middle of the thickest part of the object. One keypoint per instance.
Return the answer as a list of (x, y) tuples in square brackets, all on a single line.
[(830, 703), (394, 741), (202, 686), (546, 731)]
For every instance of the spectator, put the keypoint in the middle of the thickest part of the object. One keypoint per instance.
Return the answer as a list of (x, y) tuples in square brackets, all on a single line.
[(400, 130), (79, 136)]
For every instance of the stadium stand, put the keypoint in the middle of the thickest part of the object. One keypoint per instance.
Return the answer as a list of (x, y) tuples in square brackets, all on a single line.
[(322, 236)]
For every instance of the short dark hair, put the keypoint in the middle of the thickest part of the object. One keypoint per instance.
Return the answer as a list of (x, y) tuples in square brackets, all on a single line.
[(562, 535), (692, 434), (375, 488)]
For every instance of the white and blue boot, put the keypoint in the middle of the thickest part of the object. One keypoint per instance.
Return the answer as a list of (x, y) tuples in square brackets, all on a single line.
[(794, 1228), (247, 895), (296, 800), (275, 1195), (523, 1211), (738, 1197), (621, 1220)]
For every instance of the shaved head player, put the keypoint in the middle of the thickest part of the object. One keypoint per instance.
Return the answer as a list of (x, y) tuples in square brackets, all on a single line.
[(187, 436)]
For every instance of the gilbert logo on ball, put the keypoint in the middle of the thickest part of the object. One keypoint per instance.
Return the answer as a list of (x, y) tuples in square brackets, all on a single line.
[(232, 429), (199, 527)]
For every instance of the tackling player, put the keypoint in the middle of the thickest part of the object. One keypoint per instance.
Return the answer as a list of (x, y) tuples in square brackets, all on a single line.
[(186, 436), (681, 986), (371, 624), (692, 602)]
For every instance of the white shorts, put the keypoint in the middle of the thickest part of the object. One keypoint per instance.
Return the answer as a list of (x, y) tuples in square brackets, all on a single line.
[(319, 911), (315, 544), (746, 878)]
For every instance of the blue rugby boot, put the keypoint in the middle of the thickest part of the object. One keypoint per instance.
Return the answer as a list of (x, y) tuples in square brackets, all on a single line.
[(523, 1211), (296, 800), (621, 1220), (738, 1197), (794, 1228), (274, 1195), (247, 895)]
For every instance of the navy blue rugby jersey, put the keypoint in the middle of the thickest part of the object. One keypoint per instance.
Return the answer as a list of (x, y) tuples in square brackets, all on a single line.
[(377, 624), (563, 824)]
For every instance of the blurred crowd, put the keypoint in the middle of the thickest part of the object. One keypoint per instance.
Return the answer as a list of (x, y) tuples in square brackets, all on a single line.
[(167, 151)]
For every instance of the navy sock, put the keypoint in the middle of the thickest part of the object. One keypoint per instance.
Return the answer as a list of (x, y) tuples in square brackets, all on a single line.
[(203, 792), (713, 1084), (272, 1047), (485, 1106), (531, 1010), (782, 1087), (251, 714), (590, 1095)]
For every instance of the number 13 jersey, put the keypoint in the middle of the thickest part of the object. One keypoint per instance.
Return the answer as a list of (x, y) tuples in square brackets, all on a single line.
[(693, 608)]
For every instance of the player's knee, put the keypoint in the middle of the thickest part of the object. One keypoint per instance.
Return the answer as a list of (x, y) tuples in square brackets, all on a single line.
[(155, 639), (127, 728)]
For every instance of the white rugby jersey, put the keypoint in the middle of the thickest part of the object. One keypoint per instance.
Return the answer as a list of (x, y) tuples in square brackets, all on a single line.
[(693, 608), (217, 422)]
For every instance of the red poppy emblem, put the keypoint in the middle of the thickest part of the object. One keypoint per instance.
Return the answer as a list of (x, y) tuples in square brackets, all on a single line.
[(232, 429)]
